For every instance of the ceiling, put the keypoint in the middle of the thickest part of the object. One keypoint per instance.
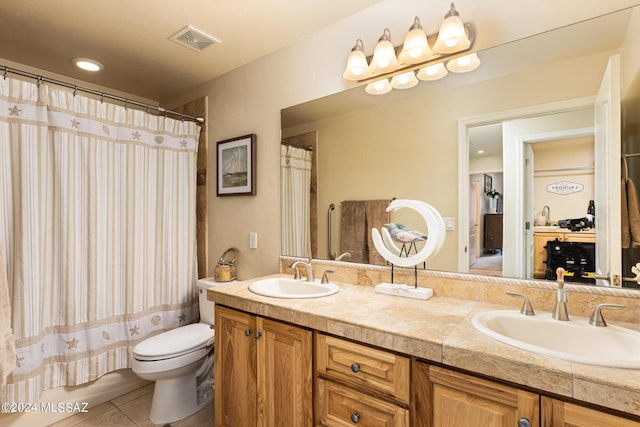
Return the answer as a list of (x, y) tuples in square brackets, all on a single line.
[(131, 38)]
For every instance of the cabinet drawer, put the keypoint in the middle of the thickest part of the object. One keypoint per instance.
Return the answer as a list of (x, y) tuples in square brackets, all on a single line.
[(341, 406), (379, 372)]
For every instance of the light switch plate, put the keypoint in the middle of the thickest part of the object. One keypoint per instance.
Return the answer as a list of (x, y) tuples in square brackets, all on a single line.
[(449, 223), (253, 240)]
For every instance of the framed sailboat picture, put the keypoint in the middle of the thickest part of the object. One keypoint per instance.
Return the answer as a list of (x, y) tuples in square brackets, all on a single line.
[(237, 166)]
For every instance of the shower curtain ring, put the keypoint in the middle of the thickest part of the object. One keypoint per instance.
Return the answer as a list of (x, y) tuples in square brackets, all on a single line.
[(101, 98), (6, 69), (75, 91), (125, 103)]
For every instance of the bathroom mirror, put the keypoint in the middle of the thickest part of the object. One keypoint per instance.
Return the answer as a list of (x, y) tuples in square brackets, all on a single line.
[(405, 144)]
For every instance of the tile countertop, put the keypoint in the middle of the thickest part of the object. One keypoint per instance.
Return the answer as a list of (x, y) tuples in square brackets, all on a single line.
[(439, 330)]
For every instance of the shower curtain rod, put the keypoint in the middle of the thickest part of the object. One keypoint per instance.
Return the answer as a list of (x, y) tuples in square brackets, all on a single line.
[(293, 144), (102, 95)]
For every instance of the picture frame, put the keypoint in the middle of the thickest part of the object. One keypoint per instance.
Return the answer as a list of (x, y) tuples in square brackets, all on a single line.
[(236, 166), (488, 183)]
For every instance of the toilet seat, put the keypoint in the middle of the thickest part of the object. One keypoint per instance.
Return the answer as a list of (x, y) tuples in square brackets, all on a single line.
[(175, 342)]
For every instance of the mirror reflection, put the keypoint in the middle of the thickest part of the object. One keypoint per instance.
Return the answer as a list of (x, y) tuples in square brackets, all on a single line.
[(405, 145)]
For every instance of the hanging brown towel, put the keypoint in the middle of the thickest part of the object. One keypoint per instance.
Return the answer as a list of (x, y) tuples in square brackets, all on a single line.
[(353, 230), (377, 216), (624, 216), (633, 209)]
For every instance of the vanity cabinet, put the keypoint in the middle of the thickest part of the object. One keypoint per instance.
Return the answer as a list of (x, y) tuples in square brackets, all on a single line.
[(556, 413), (358, 384), (263, 371), (449, 398), (540, 240)]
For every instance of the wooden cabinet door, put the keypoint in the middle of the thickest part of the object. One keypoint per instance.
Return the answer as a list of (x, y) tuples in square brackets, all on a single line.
[(540, 252), (556, 413), (284, 375), (235, 369), (447, 398)]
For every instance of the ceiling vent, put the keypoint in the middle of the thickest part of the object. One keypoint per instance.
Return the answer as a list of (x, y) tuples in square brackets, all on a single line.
[(193, 38)]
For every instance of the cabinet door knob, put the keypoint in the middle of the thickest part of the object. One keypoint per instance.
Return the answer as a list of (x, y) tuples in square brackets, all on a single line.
[(355, 418), (355, 367), (248, 332), (257, 335), (524, 422)]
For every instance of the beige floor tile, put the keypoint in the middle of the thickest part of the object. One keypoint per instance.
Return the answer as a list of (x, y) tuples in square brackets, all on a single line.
[(133, 395), (138, 409), (204, 417), (79, 418), (111, 418)]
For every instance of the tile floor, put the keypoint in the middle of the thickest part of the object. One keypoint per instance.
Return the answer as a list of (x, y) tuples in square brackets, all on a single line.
[(131, 410)]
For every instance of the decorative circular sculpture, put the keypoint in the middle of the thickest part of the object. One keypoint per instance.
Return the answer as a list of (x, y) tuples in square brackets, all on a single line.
[(435, 239)]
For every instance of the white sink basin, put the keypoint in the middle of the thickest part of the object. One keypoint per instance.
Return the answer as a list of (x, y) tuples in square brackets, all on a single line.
[(282, 287), (575, 340)]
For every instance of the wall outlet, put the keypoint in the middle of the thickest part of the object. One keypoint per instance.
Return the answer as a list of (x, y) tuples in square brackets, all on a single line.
[(253, 240)]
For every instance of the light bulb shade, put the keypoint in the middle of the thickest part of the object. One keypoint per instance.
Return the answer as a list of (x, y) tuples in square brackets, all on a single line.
[(432, 72), (464, 64), (452, 36), (404, 81), (356, 63), (379, 87), (415, 48), (384, 57)]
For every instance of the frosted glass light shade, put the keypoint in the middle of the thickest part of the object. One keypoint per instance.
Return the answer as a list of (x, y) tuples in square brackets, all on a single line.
[(464, 64), (384, 57), (404, 81), (379, 87), (415, 48), (452, 36), (356, 63), (432, 72)]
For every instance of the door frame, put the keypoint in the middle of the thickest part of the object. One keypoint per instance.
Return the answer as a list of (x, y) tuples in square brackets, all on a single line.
[(463, 157)]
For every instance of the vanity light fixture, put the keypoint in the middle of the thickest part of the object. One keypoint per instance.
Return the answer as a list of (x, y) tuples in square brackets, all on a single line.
[(384, 57), (415, 60), (88, 64), (452, 36), (464, 64), (379, 87)]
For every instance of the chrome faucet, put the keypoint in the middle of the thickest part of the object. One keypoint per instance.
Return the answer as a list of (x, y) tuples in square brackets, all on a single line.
[(560, 311), (547, 217), (597, 319), (343, 255), (306, 265)]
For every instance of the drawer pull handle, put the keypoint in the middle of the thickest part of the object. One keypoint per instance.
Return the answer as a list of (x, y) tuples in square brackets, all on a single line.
[(355, 367), (248, 332), (524, 422), (355, 418)]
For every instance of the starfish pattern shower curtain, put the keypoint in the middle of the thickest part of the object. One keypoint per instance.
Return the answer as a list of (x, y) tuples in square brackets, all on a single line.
[(97, 222)]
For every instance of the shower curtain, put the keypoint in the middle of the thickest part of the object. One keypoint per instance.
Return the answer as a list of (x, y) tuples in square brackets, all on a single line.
[(295, 168), (97, 219)]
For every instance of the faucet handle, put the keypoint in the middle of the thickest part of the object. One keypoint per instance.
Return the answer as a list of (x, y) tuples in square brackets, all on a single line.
[(527, 308), (325, 279), (597, 319)]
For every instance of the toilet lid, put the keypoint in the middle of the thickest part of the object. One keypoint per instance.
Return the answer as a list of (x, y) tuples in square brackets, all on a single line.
[(175, 342)]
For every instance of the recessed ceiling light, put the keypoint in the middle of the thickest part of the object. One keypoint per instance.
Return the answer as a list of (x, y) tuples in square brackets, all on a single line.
[(480, 151), (88, 64)]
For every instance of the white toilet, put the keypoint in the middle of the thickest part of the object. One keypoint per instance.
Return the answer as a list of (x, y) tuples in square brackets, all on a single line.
[(180, 361)]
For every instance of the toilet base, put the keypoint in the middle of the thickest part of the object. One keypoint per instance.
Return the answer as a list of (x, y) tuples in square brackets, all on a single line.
[(175, 399)]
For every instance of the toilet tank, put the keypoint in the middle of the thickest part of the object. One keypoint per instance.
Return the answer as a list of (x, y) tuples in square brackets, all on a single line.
[(207, 308)]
